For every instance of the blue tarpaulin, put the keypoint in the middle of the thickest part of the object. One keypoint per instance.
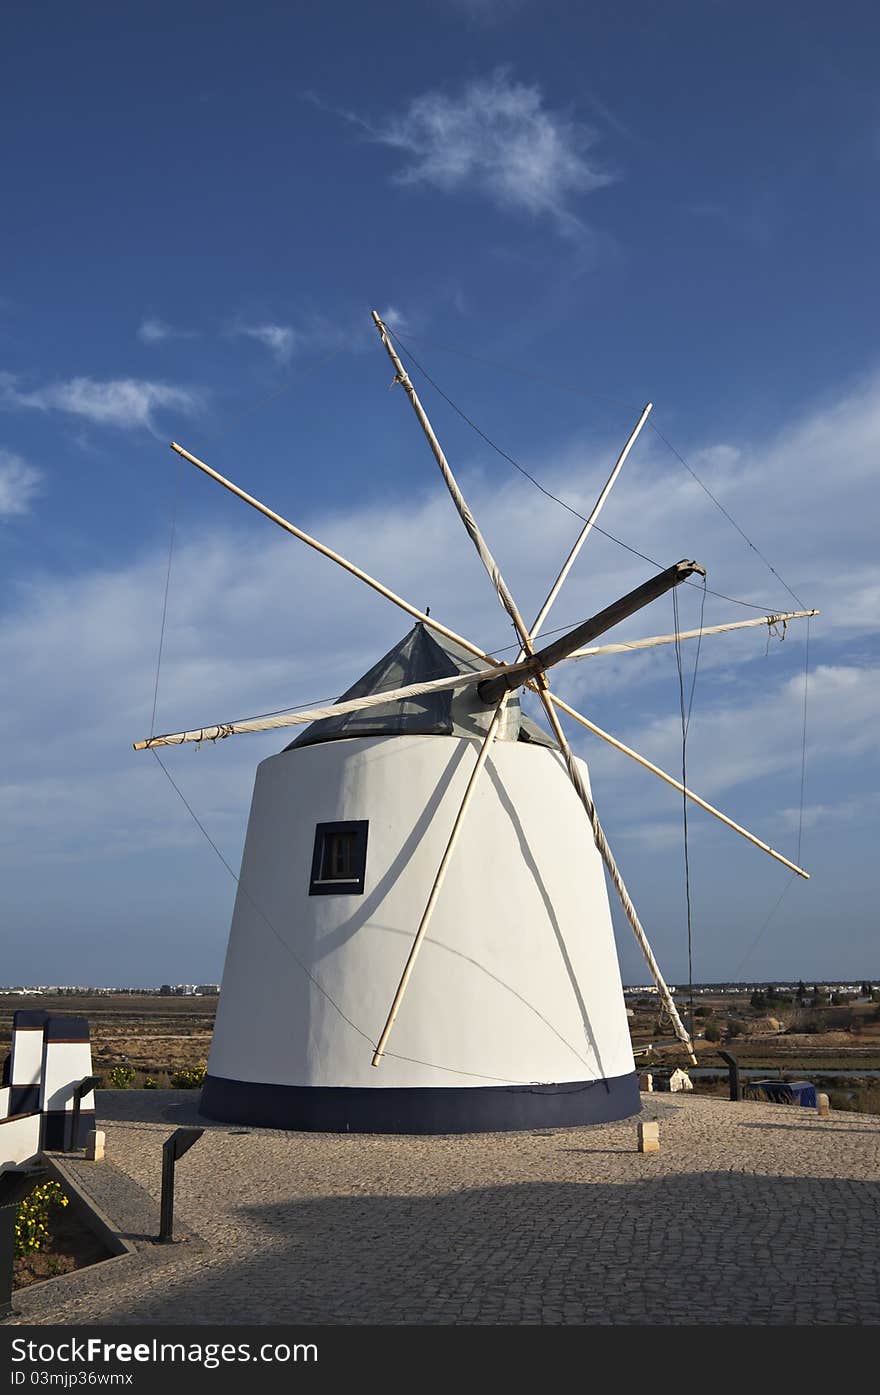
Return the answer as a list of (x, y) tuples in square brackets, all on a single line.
[(800, 1092)]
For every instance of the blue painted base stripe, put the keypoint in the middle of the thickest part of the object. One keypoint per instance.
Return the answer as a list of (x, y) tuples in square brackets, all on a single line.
[(58, 1129), (24, 1099), (330, 1109)]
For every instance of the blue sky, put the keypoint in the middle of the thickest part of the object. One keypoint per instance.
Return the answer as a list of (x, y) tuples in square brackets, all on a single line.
[(565, 211)]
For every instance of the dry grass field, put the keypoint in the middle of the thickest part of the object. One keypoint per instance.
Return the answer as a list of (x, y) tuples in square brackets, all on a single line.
[(156, 1036), (844, 1036)]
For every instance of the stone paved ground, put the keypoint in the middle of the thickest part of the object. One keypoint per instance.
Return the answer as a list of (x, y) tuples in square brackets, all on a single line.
[(750, 1214)]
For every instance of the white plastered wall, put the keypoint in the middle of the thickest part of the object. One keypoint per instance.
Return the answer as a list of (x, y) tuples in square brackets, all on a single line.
[(19, 1139), (65, 1064), (517, 981), (27, 1056)]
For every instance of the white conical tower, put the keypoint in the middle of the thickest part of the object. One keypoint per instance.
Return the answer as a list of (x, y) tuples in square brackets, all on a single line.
[(514, 1016)]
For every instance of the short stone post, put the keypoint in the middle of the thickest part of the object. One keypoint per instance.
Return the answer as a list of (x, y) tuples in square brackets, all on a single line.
[(823, 1108), (646, 1082), (649, 1136), (95, 1140)]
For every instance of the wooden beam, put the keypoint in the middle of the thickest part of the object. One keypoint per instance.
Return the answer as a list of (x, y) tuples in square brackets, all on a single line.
[(590, 523), (676, 784), (333, 556), (624, 646), (438, 880), (492, 688), (219, 730)]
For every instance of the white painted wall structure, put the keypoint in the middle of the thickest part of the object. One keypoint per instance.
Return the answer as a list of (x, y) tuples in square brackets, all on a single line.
[(20, 1140), (518, 980), (50, 1057)]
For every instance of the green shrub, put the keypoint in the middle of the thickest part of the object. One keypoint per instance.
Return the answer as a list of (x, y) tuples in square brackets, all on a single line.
[(150, 1084), (190, 1078), (32, 1225), (121, 1077), (712, 1031)]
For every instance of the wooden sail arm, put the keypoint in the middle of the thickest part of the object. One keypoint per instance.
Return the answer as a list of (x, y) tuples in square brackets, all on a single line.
[(625, 646), (676, 784), (440, 877), (273, 720), (217, 731), (325, 551), (528, 648), (470, 523), (590, 522), (607, 856), (491, 690)]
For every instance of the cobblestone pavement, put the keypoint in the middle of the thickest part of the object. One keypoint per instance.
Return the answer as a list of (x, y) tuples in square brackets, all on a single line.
[(750, 1214)]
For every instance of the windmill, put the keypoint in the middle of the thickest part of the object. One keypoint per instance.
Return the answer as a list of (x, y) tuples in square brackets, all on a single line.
[(422, 939)]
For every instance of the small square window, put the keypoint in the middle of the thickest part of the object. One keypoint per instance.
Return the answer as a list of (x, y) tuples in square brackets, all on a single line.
[(339, 862)]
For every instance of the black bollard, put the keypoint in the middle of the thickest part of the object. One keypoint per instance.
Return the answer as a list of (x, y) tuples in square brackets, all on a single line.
[(173, 1148), (89, 1082), (733, 1074), (16, 1183)]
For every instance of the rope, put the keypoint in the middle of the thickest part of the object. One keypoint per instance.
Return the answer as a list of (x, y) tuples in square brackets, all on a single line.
[(165, 599), (527, 648), (787, 887), (731, 520), (450, 1070), (570, 507), (804, 741), (310, 369), (685, 725), (582, 392), (218, 731), (471, 526), (614, 872)]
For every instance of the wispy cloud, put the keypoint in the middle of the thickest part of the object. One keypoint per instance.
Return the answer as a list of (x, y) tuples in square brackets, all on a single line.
[(76, 791), (394, 318), (153, 331), (19, 483), (347, 333), (280, 340), (496, 138), (121, 402), (863, 808)]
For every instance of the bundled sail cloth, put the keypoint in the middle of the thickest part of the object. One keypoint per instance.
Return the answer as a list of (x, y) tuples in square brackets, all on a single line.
[(407, 675)]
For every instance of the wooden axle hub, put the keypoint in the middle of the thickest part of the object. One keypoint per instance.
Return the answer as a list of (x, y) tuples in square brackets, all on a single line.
[(492, 690)]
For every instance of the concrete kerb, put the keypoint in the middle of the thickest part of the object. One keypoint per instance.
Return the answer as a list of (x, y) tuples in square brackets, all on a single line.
[(125, 1220), (86, 1208)]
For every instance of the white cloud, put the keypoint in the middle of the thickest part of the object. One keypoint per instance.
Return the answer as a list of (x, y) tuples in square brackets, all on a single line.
[(394, 318), (19, 483), (120, 402), (154, 331), (863, 808), (734, 741), (498, 139), (281, 340), (79, 794)]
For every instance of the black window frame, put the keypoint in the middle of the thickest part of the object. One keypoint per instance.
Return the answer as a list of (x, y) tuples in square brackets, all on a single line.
[(339, 886)]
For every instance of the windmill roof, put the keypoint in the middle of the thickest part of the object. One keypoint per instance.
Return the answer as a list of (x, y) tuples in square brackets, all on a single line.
[(417, 658)]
